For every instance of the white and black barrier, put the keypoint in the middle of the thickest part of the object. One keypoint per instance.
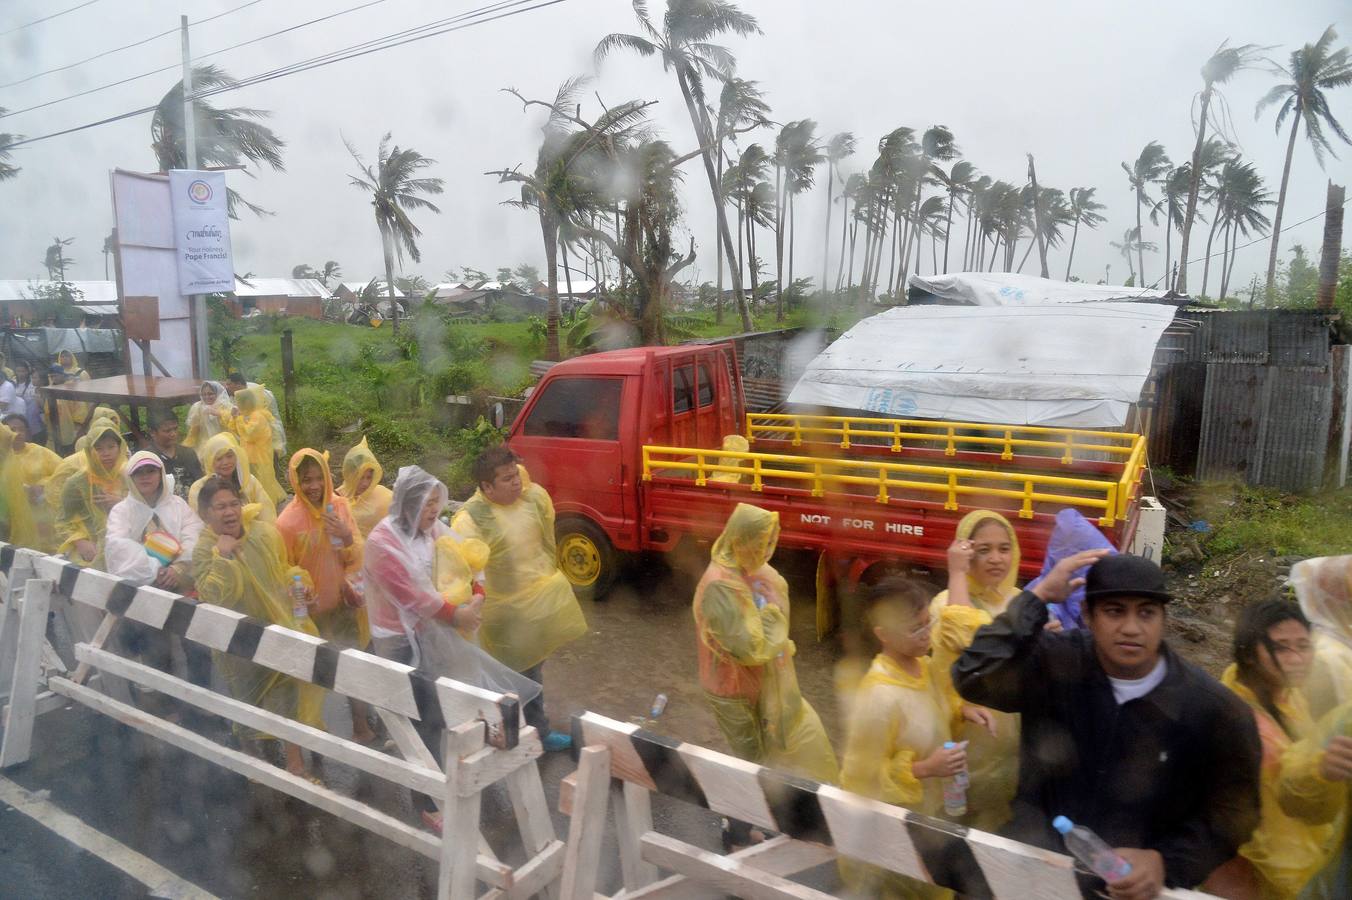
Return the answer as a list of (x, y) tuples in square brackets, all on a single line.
[(484, 740)]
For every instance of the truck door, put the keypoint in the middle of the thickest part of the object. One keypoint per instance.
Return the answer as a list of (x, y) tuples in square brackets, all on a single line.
[(695, 396), (570, 442)]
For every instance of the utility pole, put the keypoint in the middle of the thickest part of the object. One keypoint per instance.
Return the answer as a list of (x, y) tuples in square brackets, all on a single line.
[(1333, 241), (196, 303)]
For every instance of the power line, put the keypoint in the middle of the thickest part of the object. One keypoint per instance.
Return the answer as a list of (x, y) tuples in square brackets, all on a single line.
[(169, 68), (478, 18), (153, 37), (48, 18)]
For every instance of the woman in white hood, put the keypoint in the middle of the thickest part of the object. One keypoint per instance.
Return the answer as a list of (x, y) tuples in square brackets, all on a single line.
[(151, 535)]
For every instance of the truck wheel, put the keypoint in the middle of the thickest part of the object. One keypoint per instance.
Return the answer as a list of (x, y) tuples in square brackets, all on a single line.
[(585, 557)]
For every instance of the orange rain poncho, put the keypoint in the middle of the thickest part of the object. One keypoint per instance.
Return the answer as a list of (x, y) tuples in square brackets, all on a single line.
[(253, 426), (993, 762), (248, 485), (308, 546), (16, 516), (1285, 852), (741, 611), (81, 517), (373, 504), (256, 582), (1324, 588)]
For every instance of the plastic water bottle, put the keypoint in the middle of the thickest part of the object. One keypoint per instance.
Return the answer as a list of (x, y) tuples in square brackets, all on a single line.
[(955, 788), (659, 704), (1090, 850), (299, 609), (334, 540)]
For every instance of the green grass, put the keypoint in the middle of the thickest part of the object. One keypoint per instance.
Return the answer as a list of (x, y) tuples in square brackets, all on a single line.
[(1269, 522)]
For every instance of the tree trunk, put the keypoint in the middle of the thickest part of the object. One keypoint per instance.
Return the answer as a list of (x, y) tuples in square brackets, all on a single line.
[(1037, 221), (1234, 246), (1027, 253), (1269, 291), (899, 235), (1168, 238), (779, 243), (844, 232), (1225, 259), (1194, 188), (741, 241), (753, 261), (948, 229), (792, 234), (718, 303), (1211, 235), (826, 233), (549, 232), (1074, 233), (1329, 251), (387, 246), (1140, 241), (558, 307), (967, 235), (854, 235), (704, 138)]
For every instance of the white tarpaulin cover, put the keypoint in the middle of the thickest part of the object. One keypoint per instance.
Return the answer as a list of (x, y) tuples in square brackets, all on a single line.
[(1071, 366), (1012, 289)]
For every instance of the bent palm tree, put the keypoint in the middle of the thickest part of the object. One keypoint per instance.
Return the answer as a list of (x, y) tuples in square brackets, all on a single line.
[(223, 137), (395, 188), (839, 147), (1218, 69), (741, 108), (1084, 210), (1131, 243), (684, 45), (7, 170), (1148, 169), (1314, 69)]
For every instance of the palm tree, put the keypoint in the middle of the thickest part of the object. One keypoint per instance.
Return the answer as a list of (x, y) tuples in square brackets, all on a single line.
[(56, 260), (1047, 216), (851, 190), (1148, 169), (224, 137), (741, 108), (7, 170), (1132, 243), (1239, 209), (797, 155), (976, 200), (739, 184), (395, 188), (1084, 210), (331, 270), (1314, 69), (959, 180), (935, 145), (304, 270), (684, 45), (1218, 69), (840, 146), (761, 204)]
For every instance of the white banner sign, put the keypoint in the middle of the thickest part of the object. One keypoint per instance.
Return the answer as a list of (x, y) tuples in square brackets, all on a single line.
[(201, 232)]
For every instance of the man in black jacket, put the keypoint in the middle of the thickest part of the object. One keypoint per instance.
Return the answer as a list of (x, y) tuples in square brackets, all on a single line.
[(1119, 733)]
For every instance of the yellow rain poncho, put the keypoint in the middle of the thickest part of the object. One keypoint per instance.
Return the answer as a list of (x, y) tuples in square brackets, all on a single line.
[(373, 504), (737, 444), (741, 611), (253, 427), (71, 415), (454, 565), (1285, 852), (83, 517), (206, 420), (301, 526), (529, 611), (1306, 795), (16, 516), (248, 485), (35, 464), (992, 761), (256, 582), (1324, 588)]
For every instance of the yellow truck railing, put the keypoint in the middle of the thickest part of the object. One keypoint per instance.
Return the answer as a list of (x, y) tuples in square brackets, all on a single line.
[(1070, 443), (1110, 496)]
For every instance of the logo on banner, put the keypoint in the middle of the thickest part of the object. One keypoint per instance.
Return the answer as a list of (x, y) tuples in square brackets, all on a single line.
[(199, 192)]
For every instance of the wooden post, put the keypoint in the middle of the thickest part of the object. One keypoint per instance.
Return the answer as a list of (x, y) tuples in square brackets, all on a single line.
[(583, 856), (460, 815), (18, 742), (288, 380), (1333, 241)]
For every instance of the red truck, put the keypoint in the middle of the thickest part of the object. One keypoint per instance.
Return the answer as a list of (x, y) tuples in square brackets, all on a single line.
[(629, 443)]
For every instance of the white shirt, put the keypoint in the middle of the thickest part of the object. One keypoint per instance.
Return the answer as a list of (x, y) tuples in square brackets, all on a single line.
[(124, 552), (8, 397), (1125, 689)]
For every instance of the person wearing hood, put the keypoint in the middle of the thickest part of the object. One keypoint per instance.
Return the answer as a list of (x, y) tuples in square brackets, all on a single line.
[(983, 566), (412, 622), (322, 538), (223, 457), (34, 464), (71, 415), (209, 416), (150, 539), (16, 516), (178, 460), (530, 610), (1323, 587), (1316, 788), (235, 382), (89, 494), (253, 428), (240, 563), (26, 388), (366, 496), (741, 612), (1273, 652)]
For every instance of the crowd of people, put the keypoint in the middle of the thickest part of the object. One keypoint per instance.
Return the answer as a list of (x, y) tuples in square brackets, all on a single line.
[(1060, 699)]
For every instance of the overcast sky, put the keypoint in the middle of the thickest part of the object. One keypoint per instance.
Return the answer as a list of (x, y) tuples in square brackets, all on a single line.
[(1083, 86)]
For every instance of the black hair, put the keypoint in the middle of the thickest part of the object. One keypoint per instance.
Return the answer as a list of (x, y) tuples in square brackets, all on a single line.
[(210, 488), (894, 590), (160, 416), (237, 378), (14, 415), (487, 463), (308, 462), (1251, 631)]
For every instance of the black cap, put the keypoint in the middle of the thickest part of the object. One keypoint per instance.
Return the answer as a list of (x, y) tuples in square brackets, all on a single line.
[(1125, 575)]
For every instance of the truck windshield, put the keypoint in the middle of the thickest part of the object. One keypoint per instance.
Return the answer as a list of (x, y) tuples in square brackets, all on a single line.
[(587, 408)]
